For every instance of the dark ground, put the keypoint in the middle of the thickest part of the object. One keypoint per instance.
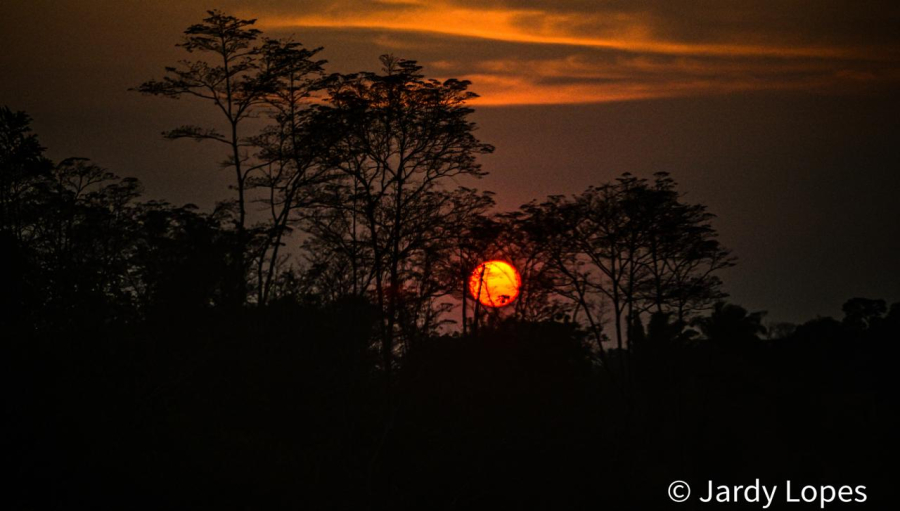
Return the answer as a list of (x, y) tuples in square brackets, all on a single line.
[(283, 407)]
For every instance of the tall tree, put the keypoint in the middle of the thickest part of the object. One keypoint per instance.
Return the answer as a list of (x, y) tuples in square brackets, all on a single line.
[(290, 151), (683, 254), (522, 242), (238, 76), (632, 245), (402, 138), (567, 270), (473, 235), (230, 76)]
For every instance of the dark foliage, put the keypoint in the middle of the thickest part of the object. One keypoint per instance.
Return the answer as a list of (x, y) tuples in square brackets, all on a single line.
[(281, 407)]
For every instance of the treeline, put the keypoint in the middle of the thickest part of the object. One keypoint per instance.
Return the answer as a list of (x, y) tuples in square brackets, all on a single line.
[(347, 190)]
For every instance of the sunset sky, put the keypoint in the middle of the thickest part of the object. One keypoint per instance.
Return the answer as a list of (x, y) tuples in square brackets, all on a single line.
[(781, 116)]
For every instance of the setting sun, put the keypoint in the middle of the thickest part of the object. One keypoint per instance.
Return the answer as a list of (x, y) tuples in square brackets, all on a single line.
[(495, 283)]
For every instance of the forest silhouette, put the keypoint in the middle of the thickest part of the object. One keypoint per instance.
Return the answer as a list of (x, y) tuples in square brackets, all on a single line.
[(311, 342)]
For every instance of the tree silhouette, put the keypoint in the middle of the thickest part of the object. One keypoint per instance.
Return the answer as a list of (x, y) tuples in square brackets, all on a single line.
[(24, 169), (177, 261), (232, 78), (472, 235), (625, 249), (291, 151), (241, 77), (401, 138), (863, 313), (732, 323)]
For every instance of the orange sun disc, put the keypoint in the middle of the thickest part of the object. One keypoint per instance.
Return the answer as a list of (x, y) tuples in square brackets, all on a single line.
[(495, 283)]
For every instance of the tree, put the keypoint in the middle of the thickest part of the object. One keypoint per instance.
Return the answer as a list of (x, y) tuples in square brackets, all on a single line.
[(177, 257), (473, 235), (683, 253), (78, 244), (522, 241), (23, 168), (400, 139), (628, 248), (24, 175), (732, 323), (862, 313), (231, 77), (460, 239), (88, 253), (549, 227), (291, 149), (241, 77)]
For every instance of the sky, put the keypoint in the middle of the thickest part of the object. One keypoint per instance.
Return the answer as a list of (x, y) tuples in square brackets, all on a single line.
[(781, 116)]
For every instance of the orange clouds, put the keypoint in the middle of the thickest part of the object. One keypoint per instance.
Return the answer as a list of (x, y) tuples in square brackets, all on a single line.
[(580, 80), (560, 54), (536, 27)]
